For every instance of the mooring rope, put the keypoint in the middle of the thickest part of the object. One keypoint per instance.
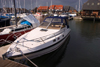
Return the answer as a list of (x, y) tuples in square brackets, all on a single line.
[(26, 57)]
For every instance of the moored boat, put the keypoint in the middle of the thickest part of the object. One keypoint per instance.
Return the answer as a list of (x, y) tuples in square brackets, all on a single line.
[(24, 25), (44, 39), (4, 21)]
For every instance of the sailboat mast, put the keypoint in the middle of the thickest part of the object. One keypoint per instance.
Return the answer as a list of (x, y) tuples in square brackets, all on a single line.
[(79, 5), (31, 4), (20, 7), (36, 3), (24, 5), (51, 5), (15, 12)]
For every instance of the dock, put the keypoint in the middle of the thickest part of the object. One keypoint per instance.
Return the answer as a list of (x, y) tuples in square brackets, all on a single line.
[(7, 62)]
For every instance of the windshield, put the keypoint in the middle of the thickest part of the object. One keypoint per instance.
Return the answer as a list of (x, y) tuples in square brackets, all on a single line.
[(51, 23)]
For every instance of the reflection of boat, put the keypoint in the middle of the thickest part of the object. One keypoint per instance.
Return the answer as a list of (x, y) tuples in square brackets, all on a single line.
[(46, 38), (24, 25), (4, 21)]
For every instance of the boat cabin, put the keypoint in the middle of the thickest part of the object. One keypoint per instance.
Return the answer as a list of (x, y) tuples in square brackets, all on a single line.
[(54, 23)]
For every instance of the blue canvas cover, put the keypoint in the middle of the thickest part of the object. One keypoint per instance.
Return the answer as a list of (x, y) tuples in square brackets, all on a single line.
[(25, 22), (3, 17)]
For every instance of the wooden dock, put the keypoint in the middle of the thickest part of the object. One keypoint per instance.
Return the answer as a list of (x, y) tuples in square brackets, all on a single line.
[(7, 62), (3, 49)]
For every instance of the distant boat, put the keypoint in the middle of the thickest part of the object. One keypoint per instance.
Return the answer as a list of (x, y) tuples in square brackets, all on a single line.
[(38, 14), (46, 38), (25, 25), (66, 15), (73, 14)]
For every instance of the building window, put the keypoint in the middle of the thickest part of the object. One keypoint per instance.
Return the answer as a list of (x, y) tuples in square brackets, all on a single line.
[(87, 3), (92, 3)]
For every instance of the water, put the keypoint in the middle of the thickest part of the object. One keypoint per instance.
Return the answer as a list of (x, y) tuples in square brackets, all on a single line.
[(81, 49)]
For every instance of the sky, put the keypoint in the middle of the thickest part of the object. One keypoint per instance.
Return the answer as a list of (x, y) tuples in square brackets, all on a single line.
[(30, 4)]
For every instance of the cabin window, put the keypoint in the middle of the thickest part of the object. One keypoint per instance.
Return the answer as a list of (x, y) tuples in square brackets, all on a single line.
[(51, 23), (92, 3), (62, 35), (54, 40), (56, 20), (48, 19)]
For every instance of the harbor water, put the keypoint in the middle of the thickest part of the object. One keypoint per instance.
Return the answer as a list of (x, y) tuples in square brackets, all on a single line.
[(81, 49)]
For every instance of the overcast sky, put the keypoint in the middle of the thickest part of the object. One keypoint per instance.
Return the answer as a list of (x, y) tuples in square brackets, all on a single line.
[(30, 4)]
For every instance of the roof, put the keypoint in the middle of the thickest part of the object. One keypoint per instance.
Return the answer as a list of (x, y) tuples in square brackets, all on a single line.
[(43, 8), (67, 8), (58, 6), (52, 7), (91, 5)]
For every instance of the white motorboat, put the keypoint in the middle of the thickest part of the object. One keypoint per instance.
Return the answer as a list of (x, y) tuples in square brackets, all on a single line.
[(46, 38)]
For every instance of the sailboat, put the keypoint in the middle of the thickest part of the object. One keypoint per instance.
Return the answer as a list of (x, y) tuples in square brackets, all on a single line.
[(24, 25), (46, 38)]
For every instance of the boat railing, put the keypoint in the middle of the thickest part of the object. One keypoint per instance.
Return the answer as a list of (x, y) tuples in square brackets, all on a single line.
[(43, 38)]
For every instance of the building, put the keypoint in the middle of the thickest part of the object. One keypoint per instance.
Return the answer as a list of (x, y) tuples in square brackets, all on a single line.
[(91, 9), (58, 7), (70, 9), (42, 9), (52, 8)]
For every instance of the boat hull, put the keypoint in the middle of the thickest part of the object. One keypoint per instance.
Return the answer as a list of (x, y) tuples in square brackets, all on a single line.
[(7, 38), (5, 22), (42, 51)]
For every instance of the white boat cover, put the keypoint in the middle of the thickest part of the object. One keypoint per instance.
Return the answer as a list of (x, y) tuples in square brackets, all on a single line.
[(22, 15), (32, 20)]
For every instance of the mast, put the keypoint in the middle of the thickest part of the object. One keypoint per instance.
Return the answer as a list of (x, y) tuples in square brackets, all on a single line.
[(51, 6), (12, 6), (31, 4), (79, 5), (15, 12), (20, 6), (76, 7), (24, 5), (36, 3), (9, 7), (2, 6)]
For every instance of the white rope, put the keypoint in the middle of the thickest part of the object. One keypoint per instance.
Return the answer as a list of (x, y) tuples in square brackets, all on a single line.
[(27, 58)]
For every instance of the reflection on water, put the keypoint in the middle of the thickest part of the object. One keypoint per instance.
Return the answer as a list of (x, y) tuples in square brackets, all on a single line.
[(51, 59)]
